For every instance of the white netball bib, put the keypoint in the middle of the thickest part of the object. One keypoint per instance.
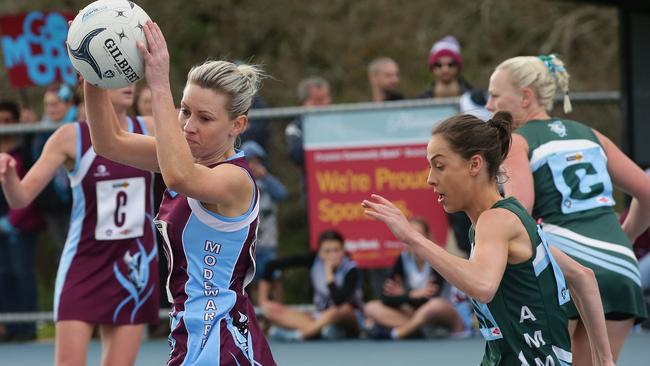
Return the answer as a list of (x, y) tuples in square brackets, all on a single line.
[(120, 208)]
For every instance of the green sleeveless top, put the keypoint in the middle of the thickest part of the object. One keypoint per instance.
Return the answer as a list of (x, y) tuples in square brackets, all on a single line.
[(525, 324), (573, 195), (569, 166)]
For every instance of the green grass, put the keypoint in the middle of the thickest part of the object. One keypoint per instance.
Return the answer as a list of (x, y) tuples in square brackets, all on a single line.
[(45, 331)]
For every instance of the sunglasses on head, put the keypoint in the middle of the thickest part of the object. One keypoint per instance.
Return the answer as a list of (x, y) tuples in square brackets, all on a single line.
[(438, 65)]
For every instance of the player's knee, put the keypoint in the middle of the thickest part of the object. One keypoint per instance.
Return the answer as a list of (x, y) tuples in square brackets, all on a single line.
[(119, 358), (372, 308), (345, 309), (435, 305), (70, 359)]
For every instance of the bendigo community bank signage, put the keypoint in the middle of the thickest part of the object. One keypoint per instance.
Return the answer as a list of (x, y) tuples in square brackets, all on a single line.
[(33, 46), (350, 155)]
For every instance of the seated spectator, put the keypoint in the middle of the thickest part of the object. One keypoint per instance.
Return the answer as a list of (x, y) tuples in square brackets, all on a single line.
[(271, 191), (383, 76), (336, 283), (413, 298), (18, 234)]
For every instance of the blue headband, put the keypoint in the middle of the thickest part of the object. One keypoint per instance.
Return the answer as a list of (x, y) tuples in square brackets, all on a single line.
[(65, 93)]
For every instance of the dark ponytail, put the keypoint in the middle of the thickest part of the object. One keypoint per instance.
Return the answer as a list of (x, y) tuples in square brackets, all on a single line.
[(469, 136), (502, 122)]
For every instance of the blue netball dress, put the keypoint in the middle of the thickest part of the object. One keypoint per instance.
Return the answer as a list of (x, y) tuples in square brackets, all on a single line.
[(211, 260)]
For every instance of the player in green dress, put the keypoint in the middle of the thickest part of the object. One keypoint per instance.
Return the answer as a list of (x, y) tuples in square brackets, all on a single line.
[(563, 172), (516, 281)]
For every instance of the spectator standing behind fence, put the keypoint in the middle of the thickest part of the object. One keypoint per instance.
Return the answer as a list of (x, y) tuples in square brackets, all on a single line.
[(445, 64), (383, 76), (416, 296), (18, 232), (27, 115), (336, 282), (313, 91), (55, 201), (258, 128), (272, 191)]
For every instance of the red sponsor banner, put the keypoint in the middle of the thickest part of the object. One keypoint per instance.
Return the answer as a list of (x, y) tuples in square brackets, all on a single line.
[(339, 179), (33, 46)]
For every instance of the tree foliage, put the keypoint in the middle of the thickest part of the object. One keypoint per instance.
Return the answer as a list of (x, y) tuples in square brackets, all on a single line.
[(337, 38)]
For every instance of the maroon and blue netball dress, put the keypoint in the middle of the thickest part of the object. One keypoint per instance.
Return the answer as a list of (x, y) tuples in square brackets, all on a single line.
[(108, 273), (211, 260)]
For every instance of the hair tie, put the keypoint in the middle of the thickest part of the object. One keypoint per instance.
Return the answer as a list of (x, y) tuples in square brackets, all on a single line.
[(552, 67)]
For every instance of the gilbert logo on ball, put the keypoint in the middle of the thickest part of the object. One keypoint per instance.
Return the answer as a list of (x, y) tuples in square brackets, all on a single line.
[(102, 43)]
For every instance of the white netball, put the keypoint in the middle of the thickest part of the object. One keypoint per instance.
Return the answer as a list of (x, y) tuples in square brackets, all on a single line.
[(102, 43)]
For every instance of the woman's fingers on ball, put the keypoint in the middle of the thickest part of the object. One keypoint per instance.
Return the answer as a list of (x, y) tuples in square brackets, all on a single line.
[(161, 36), (156, 35), (143, 50), (149, 36)]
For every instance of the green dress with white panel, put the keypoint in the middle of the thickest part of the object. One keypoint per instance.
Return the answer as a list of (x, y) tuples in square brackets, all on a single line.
[(524, 323), (574, 202)]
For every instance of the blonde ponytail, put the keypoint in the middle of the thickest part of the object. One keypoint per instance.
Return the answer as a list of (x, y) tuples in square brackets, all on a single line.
[(239, 82), (544, 74)]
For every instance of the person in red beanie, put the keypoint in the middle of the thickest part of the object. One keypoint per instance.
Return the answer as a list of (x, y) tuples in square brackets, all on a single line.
[(445, 63)]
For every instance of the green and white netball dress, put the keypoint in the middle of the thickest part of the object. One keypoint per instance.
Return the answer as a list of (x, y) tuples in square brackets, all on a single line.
[(525, 324), (573, 199)]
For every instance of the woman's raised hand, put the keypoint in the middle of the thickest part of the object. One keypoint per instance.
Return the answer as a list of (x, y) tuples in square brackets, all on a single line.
[(7, 164), (385, 211), (156, 57)]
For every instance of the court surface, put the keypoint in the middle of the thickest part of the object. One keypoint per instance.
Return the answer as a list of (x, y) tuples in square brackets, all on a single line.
[(325, 353)]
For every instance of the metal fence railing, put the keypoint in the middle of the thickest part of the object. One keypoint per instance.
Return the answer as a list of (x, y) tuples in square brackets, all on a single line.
[(290, 112), (598, 109)]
